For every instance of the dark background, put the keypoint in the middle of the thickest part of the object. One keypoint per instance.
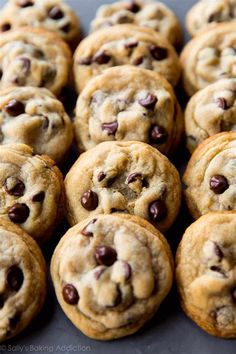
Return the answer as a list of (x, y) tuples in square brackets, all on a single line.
[(170, 331)]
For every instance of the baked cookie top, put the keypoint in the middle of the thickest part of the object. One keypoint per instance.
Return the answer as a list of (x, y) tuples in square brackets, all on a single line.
[(34, 116), (210, 175), (209, 57), (34, 57), (111, 274), (125, 44), (206, 14), (52, 15), (31, 190), (210, 111), (125, 177), (22, 279), (146, 13), (128, 103), (206, 273)]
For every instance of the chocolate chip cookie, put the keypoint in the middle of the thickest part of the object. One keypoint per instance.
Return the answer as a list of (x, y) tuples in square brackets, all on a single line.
[(151, 14), (22, 279), (206, 273), (52, 15), (31, 190), (34, 116), (206, 14), (128, 103), (209, 57), (210, 175), (211, 111), (125, 44), (111, 274), (124, 177), (34, 57)]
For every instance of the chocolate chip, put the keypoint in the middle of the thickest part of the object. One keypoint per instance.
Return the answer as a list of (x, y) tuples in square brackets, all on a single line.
[(26, 64), (66, 28), (85, 61), (25, 3), (133, 177), (158, 135), (101, 176), (99, 272), (14, 186), (39, 54), (89, 200), (133, 7), (217, 269), (222, 103), (70, 294), (131, 45), (128, 270), (124, 19), (218, 251), (110, 128), (49, 76), (18, 213), (39, 197), (85, 231), (15, 278), (214, 17), (1, 301), (234, 295), (149, 102), (138, 61), (118, 299), (157, 210), (45, 123), (1, 73), (158, 53), (15, 108), (101, 58), (55, 13), (13, 322), (218, 184), (6, 27), (105, 255)]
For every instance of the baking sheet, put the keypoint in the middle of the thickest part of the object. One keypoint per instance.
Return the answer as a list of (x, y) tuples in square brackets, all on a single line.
[(169, 332)]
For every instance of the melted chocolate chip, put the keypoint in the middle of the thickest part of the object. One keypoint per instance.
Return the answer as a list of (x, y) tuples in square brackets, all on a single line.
[(14, 186), (131, 45), (66, 28), (89, 200), (158, 53), (133, 177), (128, 270), (1, 73), (39, 197), (15, 278), (26, 63), (70, 294), (234, 295), (110, 128), (138, 61), (118, 299), (218, 251), (101, 58), (15, 108), (13, 322), (218, 270), (45, 122), (158, 135), (6, 27), (98, 273), (25, 3), (214, 17), (133, 7), (85, 61), (85, 231), (39, 54), (55, 13), (105, 255), (222, 103), (101, 176), (19, 213), (49, 76), (219, 184), (149, 102), (1, 301), (157, 211), (124, 19)]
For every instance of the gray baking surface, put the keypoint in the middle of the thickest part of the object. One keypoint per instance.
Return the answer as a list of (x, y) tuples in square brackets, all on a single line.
[(169, 332)]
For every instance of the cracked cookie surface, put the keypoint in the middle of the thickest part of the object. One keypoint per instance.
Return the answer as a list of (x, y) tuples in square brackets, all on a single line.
[(209, 57), (111, 274), (31, 190), (125, 177), (206, 273), (206, 14), (52, 15), (34, 57), (210, 175), (33, 116), (210, 111), (22, 279), (125, 44), (128, 103), (144, 13)]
